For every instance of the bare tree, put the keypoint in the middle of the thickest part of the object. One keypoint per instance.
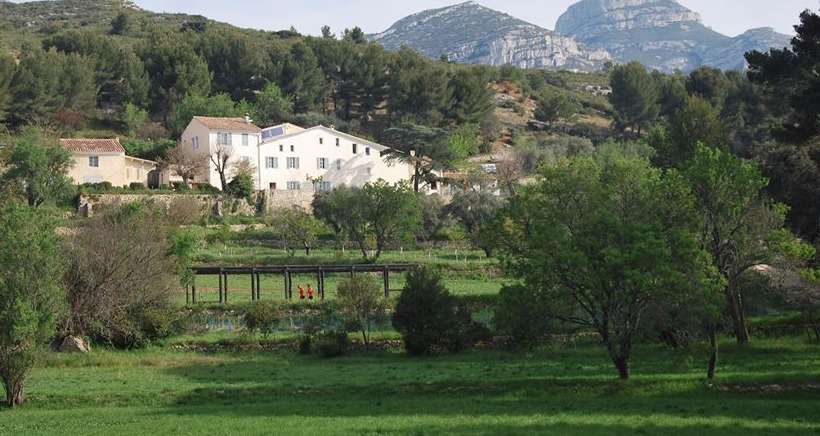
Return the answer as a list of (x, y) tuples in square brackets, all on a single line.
[(510, 171), (221, 157), (184, 163)]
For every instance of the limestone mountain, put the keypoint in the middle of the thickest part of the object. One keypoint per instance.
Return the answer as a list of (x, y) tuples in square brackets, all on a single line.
[(661, 34), (473, 34)]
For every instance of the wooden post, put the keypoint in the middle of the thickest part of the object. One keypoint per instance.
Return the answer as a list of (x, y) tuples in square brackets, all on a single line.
[(352, 272), (258, 287), (322, 282), (193, 289), (220, 286), (225, 294), (187, 295), (386, 273), (253, 285), (287, 285)]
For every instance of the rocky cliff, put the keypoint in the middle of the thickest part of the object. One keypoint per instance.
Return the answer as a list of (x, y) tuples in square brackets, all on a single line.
[(661, 34), (471, 33)]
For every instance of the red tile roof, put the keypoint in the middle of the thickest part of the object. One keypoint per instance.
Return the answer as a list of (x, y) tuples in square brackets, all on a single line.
[(234, 124), (83, 145)]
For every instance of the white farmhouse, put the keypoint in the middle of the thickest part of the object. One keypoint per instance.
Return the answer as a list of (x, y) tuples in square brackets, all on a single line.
[(292, 161)]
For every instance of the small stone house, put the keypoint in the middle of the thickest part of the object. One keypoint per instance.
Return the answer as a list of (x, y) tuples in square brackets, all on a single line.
[(104, 160)]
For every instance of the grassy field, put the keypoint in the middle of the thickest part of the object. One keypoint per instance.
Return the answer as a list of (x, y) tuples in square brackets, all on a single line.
[(771, 387)]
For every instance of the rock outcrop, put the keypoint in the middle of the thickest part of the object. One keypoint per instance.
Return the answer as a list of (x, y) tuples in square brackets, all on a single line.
[(661, 34), (473, 34), (74, 344)]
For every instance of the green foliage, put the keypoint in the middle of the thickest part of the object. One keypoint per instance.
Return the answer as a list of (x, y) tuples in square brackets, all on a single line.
[(475, 210), (295, 227), (555, 106), (147, 149), (427, 316), (241, 186), (301, 78), (271, 106), (192, 105), (262, 317), (133, 118), (417, 89), (7, 67), (51, 86), (426, 149), (31, 296), (634, 97), (470, 98), (362, 303), (38, 167), (523, 314), (464, 141), (697, 122), (605, 225), (121, 24), (234, 59)]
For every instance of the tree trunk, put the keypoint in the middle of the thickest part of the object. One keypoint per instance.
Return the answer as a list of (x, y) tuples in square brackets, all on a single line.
[(713, 354), (622, 365), (735, 304), (14, 393)]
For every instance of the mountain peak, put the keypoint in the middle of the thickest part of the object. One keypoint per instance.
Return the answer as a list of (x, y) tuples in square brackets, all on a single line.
[(610, 15), (471, 33)]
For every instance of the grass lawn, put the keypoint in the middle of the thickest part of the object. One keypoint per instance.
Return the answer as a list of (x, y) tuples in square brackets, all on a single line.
[(771, 387)]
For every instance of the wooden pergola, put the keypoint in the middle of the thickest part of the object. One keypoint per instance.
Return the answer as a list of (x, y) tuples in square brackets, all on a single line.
[(286, 271)]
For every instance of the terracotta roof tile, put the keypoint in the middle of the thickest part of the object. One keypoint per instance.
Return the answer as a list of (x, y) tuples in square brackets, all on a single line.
[(233, 124), (83, 145)]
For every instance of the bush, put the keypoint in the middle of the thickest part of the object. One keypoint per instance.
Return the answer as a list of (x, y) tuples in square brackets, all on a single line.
[(521, 314), (136, 186), (427, 316), (362, 303), (208, 189), (305, 344), (262, 318), (333, 344), (179, 186)]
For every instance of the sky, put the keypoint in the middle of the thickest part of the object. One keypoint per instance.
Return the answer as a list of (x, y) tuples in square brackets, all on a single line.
[(730, 17)]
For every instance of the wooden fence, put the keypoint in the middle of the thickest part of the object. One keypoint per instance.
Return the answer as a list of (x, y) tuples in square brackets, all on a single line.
[(286, 271)]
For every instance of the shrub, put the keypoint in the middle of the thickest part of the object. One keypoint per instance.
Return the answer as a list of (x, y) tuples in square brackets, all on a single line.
[(208, 189), (305, 344), (333, 344), (464, 332), (521, 314), (362, 303), (136, 186), (262, 318), (184, 211), (179, 186), (427, 316)]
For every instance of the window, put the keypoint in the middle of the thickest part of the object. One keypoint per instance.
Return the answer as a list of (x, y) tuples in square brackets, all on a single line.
[(272, 186), (244, 139), (338, 164), (246, 159), (355, 148), (281, 147), (321, 141), (94, 161), (292, 148), (271, 162), (294, 186), (367, 151), (321, 163), (223, 138), (337, 142), (433, 186), (324, 186), (293, 163), (195, 142)]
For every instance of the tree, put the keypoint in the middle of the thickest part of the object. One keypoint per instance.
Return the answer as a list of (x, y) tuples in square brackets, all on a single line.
[(475, 210), (221, 159), (121, 24), (38, 167), (271, 106), (360, 300), (242, 182), (133, 118), (301, 78), (788, 75), (424, 312), (296, 227), (709, 84), (334, 209), (634, 97), (185, 163), (697, 122), (470, 98), (234, 60), (603, 237), (7, 67), (426, 149), (30, 293), (174, 69), (355, 35), (327, 33), (372, 216), (555, 106), (417, 89), (191, 105), (741, 229), (121, 276)]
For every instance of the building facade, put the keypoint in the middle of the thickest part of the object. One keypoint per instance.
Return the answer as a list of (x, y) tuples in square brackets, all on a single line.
[(104, 160), (291, 161)]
